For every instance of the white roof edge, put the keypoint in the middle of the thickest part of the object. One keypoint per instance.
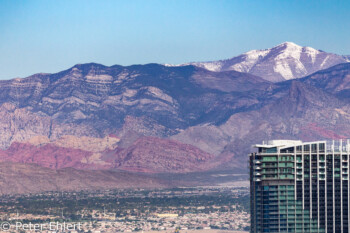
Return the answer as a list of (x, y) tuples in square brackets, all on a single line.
[(279, 143), (285, 143)]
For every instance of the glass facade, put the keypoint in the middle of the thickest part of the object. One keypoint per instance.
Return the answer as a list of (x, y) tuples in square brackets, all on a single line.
[(300, 187)]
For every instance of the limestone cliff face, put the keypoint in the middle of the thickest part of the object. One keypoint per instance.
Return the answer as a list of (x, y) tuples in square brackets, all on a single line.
[(94, 100)]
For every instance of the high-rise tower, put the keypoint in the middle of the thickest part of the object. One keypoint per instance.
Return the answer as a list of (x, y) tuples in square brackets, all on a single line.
[(300, 186)]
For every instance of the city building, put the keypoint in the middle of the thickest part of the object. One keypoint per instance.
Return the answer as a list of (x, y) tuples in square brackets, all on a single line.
[(300, 186)]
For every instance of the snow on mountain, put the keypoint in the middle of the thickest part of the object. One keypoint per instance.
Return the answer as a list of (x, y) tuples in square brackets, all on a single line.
[(282, 62)]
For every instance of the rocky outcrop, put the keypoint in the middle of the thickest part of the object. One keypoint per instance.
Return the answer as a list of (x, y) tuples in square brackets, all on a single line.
[(149, 154)]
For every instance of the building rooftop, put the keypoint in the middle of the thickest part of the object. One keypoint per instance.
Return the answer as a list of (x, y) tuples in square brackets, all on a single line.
[(279, 143), (331, 145)]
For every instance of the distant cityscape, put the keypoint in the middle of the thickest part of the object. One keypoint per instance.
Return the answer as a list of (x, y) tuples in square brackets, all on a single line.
[(132, 211)]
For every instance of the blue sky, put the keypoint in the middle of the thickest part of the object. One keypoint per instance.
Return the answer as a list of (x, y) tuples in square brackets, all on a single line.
[(49, 36)]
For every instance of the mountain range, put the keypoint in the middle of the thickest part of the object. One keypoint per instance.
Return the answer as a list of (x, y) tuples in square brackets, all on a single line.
[(157, 118)]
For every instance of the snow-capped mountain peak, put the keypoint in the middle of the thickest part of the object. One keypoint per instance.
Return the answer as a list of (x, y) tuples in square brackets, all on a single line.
[(288, 44), (282, 62)]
